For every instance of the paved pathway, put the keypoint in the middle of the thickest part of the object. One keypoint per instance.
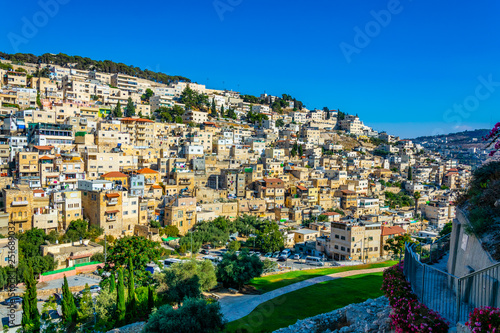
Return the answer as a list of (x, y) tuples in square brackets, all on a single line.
[(238, 306)]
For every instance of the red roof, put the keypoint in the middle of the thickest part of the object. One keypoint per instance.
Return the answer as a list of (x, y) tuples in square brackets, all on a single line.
[(112, 195), (348, 192), (146, 170), (114, 174), (302, 188), (272, 180), (156, 186), (38, 191), (46, 158), (44, 147), (395, 230), (112, 211), (141, 120), (330, 213)]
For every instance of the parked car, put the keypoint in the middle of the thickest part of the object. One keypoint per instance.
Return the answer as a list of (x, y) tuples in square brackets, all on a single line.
[(282, 258), (258, 254), (276, 254), (13, 300), (204, 251), (207, 246), (268, 255), (95, 289), (296, 257)]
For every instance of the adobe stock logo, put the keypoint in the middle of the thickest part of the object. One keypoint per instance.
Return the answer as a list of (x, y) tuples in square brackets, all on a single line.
[(372, 29), (223, 6), (30, 28)]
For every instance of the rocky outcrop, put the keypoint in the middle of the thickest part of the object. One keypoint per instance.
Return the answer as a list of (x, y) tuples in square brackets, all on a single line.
[(370, 316), (132, 328)]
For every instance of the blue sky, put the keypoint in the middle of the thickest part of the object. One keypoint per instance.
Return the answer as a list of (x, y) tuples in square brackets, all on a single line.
[(422, 68)]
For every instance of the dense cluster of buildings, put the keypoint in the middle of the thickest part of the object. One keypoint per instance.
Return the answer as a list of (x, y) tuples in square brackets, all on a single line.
[(66, 157)]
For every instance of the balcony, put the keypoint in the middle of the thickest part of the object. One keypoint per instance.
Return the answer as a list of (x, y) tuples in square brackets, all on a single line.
[(19, 203), (184, 181), (150, 181), (110, 218), (112, 202)]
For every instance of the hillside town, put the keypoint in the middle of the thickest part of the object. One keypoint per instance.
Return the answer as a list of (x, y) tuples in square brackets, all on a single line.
[(130, 156)]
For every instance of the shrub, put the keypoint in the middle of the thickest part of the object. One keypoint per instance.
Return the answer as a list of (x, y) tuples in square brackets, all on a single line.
[(484, 320), (409, 315)]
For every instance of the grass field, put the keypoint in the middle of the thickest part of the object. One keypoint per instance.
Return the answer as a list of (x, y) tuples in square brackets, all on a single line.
[(310, 301), (271, 282)]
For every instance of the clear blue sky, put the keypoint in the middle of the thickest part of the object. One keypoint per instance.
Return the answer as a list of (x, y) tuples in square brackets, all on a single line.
[(404, 77)]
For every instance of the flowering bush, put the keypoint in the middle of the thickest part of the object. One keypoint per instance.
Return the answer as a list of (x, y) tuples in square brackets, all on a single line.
[(409, 315), (493, 135), (484, 320)]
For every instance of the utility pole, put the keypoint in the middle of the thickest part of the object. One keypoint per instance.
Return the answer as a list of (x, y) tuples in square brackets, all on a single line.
[(191, 234)]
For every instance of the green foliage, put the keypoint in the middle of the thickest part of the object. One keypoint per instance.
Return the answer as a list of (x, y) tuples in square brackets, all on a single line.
[(131, 299), (154, 224), (31, 317), (168, 115), (130, 108), (185, 270), (147, 95), (99, 257), (117, 111), (280, 123), (86, 307), (106, 66), (69, 311), (236, 270), (140, 249), (4, 66), (30, 255), (194, 100), (120, 299), (270, 238), (396, 245), (234, 246), (250, 99), (106, 310), (151, 300), (169, 231), (256, 117), (112, 283), (410, 174), (447, 228), (195, 315), (398, 200)]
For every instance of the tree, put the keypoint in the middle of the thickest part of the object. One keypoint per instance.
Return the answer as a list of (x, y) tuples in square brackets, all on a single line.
[(234, 246), (69, 311), (31, 317), (280, 123), (77, 230), (86, 309), (396, 245), (130, 109), (213, 109), (140, 249), (301, 150), (184, 271), (132, 302), (447, 228), (151, 300), (112, 283), (236, 270), (117, 111), (270, 238), (195, 315), (147, 95), (410, 176), (140, 114), (416, 196), (170, 231), (120, 299), (105, 310)]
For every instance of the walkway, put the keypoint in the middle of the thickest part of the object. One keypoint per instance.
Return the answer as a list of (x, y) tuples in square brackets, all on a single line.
[(238, 306)]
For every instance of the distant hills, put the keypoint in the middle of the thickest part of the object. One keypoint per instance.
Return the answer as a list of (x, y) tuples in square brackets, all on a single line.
[(465, 139), (84, 63)]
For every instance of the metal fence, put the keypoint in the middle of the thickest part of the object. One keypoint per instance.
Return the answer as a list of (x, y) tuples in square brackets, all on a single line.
[(451, 296)]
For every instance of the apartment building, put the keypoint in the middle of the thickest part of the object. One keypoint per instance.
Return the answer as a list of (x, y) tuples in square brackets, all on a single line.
[(124, 82), (181, 212), (18, 204), (355, 241)]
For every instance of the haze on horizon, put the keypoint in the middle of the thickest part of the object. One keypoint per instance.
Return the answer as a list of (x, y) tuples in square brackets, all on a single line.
[(410, 68)]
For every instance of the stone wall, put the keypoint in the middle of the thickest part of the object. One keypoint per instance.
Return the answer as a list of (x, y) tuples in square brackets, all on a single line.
[(466, 252)]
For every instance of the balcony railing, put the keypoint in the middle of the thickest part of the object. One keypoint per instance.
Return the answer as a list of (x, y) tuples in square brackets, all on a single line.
[(110, 218), (112, 202), (19, 203)]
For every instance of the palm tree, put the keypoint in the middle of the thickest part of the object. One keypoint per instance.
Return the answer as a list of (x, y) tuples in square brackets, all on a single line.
[(416, 196)]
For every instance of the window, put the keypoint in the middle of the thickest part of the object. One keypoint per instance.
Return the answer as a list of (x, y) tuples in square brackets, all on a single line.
[(337, 236), (342, 237)]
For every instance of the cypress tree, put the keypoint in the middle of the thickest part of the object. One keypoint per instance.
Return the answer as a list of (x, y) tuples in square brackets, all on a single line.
[(112, 283), (131, 305), (410, 175), (151, 300), (31, 317), (69, 311), (120, 299)]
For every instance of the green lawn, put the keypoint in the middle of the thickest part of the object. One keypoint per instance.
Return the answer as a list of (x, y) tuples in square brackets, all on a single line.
[(310, 301), (271, 282)]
